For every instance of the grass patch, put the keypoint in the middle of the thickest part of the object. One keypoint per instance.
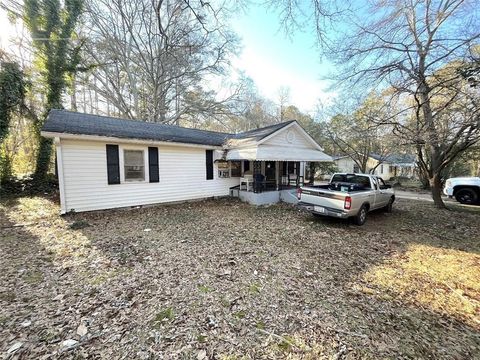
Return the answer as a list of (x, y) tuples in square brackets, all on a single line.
[(79, 224), (444, 280), (3, 320), (471, 209), (286, 344), (105, 276), (204, 289), (240, 314), (202, 338), (33, 277), (163, 316), (8, 296), (254, 288), (225, 302), (260, 325), (403, 285)]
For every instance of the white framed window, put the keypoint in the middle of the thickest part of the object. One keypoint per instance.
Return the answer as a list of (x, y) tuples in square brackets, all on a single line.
[(133, 165)]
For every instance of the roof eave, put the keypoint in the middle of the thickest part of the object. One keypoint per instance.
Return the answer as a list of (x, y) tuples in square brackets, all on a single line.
[(69, 136)]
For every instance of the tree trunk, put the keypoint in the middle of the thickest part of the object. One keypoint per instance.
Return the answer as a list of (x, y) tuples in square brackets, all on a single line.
[(424, 179), (73, 96), (43, 159), (436, 186)]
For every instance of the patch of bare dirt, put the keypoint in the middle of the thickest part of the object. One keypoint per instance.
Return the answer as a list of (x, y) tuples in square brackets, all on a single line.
[(225, 280)]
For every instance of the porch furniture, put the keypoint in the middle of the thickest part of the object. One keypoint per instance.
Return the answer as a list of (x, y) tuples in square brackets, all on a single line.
[(292, 180), (247, 182)]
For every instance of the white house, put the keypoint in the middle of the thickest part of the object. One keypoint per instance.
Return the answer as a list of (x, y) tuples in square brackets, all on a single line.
[(384, 166), (105, 162)]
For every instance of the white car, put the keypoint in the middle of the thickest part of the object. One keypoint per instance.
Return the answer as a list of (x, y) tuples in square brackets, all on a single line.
[(466, 190)]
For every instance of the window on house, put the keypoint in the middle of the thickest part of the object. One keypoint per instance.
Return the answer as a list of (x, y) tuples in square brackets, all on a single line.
[(236, 168), (134, 165)]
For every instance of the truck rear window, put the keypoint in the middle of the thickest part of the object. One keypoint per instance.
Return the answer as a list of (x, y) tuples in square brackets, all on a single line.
[(364, 181)]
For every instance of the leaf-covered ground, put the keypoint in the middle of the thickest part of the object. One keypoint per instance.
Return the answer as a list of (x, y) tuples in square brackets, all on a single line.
[(225, 280)]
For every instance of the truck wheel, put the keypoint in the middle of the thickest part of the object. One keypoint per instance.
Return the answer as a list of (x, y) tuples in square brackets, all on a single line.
[(389, 207), (361, 216), (466, 196)]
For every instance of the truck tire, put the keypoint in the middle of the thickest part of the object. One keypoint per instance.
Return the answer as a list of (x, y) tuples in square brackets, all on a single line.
[(466, 196), (361, 216), (389, 207)]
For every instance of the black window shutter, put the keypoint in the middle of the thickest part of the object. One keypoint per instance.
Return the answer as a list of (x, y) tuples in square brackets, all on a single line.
[(209, 163), (113, 165), (153, 164)]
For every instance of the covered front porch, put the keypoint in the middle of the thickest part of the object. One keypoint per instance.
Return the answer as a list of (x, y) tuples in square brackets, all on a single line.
[(272, 162), (269, 182)]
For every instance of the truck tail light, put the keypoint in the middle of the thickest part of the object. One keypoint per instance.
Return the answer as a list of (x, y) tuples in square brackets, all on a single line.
[(299, 193), (348, 203)]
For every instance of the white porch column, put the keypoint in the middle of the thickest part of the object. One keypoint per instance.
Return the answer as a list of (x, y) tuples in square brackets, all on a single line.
[(277, 174), (302, 168)]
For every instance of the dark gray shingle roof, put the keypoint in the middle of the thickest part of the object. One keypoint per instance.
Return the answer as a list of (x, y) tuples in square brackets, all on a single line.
[(259, 134), (395, 158), (62, 121), (69, 122)]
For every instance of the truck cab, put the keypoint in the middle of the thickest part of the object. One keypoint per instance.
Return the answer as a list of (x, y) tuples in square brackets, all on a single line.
[(466, 190)]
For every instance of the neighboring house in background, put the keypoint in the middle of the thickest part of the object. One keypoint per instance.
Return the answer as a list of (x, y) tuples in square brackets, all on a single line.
[(105, 162), (386, 167), (395, 165), (345, 164)]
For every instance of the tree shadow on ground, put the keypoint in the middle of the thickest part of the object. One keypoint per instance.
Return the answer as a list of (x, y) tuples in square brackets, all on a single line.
[(231, 279), (27, 286)]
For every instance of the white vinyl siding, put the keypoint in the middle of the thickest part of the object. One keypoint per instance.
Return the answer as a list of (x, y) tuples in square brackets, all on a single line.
[(345, 165), (182, 177)]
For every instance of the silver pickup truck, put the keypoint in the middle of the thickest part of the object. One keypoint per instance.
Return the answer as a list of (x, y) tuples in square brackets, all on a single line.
[(347, 196)]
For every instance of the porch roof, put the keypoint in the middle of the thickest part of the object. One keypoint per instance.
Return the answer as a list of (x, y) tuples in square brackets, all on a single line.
[(277, 153)]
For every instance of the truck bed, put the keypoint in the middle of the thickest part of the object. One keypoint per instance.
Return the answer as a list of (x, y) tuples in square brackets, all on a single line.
[(342, 187)]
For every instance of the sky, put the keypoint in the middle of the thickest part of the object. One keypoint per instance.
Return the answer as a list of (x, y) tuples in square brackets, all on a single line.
[(274, 60), (268, 56)]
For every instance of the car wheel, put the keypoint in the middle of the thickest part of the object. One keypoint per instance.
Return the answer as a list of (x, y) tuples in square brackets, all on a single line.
[(389, 207), (361, 216), (466, 196)]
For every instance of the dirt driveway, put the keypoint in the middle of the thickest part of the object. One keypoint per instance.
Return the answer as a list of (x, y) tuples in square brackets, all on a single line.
[(224, 280)]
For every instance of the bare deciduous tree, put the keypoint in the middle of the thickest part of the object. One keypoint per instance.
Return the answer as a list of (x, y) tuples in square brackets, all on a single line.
[(153, 58), (355, 134), (416, 50)]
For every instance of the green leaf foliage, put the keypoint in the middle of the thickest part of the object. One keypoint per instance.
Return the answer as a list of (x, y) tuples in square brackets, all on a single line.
[(12, 93), (52, 27)]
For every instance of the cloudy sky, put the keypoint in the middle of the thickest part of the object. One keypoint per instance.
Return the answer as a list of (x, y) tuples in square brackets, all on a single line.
[(274, 59)]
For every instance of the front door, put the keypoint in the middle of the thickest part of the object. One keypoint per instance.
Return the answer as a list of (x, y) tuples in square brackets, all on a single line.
[(270, 174)]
